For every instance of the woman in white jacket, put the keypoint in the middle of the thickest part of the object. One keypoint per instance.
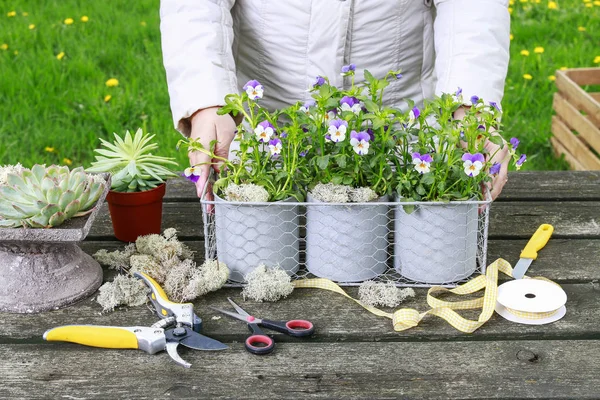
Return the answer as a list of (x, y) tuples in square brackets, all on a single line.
[(211, 47)]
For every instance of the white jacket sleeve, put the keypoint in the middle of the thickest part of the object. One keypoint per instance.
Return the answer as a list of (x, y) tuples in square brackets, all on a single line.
[(472, 47), (197, 38)]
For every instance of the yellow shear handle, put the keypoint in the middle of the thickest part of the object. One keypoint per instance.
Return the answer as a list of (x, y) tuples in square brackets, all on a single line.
[(537, 241), (96, 336)]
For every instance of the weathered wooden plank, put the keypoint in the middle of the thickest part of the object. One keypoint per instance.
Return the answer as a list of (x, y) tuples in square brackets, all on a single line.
[(508, 219), (595, 96), (584, 76), (562, 260), (578, 149), (468, 370), (578, 97), (561, 150), (575, 120), (335, 317)]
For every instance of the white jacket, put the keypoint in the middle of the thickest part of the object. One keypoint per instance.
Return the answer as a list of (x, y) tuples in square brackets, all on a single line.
[(213, 47)]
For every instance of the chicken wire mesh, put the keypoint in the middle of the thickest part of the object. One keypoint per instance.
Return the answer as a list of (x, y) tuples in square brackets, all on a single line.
[(417, 244)]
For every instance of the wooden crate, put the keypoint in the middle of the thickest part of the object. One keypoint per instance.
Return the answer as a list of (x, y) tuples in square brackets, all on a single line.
[(576, 125)]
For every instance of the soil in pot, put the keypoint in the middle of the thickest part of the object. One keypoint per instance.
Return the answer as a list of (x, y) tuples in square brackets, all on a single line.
[(347, 243), (250, 235), (136, 213), (436, 243)]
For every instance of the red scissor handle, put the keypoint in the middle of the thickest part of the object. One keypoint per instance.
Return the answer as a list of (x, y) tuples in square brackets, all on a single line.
[(295, 327), (259, 344)]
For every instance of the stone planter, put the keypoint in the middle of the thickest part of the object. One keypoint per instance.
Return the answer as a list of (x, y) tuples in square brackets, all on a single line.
[(347, 243), (436, 243), (249, 235), (44, 269)]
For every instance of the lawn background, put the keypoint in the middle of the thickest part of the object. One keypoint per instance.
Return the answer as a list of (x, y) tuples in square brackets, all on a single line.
[(53, 109)]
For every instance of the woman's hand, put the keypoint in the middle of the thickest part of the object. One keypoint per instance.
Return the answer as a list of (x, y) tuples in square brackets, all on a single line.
[(208, 126)]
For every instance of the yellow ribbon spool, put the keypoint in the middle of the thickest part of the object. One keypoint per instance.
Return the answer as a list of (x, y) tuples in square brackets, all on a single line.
[(407, 318)]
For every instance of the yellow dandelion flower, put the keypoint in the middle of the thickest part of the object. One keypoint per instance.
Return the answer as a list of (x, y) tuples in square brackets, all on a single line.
[(538, 1), (85, 18), (597, 60), (525, 53), (143, 23), (551, 78), (523, 1), (552, 5), (511, 36), (597, 3), (107, 98), (511, 2), (11, 13), (60, 55), (538, 50), (4, 46), (528, 77), (31, 26), (510, 10), (581, 29), (67, 161), (589, 5), (563, 68), (49, 149), (69, 21), (112, 82), (587, 1), (25, 14)]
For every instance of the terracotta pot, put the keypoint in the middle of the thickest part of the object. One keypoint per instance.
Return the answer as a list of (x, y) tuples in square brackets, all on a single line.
[(136, 213)]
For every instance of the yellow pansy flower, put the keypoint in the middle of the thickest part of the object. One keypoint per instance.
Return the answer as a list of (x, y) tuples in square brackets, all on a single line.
[(538, 50), (551, 78), (112, 82), (581, 29), (11, 13), (31, 26), (107, 98), (525, 53), (511, 36), (4, 46), (85, 18), (527, 76), (67, 161), (60, 55), (552, 5), (49, 149), (68, 21)]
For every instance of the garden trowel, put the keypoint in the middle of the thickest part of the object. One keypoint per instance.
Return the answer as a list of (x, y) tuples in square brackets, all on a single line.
[(529, 253)]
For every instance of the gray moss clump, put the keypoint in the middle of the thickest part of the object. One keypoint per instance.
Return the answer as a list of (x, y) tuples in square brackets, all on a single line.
[(123, 290), (383, 294), (246, 192), (332, 193), (267, 284), (168, 261)]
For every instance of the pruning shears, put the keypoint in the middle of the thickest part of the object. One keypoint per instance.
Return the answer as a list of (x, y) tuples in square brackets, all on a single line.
[(178, 325)]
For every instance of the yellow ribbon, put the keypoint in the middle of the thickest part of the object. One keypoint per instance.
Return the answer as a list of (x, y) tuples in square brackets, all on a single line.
[(407, 318)]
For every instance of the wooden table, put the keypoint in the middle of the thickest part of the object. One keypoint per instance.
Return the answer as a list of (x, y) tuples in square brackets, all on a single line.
[(354, 354)]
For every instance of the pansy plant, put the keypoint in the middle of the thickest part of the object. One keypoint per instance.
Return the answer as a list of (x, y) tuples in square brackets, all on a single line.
[(448, 160)]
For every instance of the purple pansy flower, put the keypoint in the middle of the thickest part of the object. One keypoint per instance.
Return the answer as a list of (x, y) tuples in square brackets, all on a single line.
[(473, 163), (192, 173), (474, 99), (264, 130), (254, 89), (413, 115), (348, 68), (372, 134), (458, 92), (493, 104), (421, 162), (337, 130), (283, 135), (521, 160), (275, 146), (303, 153), (319, 81), (494, 169), (307, 105), (398, 76), (348, 103), (481, 127), (514, 142), (360, 142)]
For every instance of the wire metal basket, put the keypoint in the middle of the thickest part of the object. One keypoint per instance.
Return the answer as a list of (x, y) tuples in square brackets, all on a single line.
[(417, 244)]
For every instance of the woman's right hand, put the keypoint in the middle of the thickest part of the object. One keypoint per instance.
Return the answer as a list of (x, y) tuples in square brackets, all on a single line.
[(208, 126)]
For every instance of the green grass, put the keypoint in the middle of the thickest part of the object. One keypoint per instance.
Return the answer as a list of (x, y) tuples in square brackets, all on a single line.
[(50, 104)]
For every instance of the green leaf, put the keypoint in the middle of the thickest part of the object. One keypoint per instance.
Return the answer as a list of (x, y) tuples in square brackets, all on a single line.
[(427, 179), (337, 179), (371, 106), (496, 139), (420, 190), (323, 161), (341, 159), (348, 180)]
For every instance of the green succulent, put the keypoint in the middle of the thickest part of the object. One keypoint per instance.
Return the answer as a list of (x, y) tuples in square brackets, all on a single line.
[(130, 162), (45, 197)]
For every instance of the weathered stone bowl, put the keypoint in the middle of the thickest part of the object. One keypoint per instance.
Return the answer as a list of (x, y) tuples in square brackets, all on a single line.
[(44, 269)]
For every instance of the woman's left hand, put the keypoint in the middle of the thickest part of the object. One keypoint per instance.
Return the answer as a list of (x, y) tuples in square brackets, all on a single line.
[(498, 155)]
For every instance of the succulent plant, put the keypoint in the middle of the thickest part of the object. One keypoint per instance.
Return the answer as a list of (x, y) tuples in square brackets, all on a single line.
[(130, 162), (45, 197)]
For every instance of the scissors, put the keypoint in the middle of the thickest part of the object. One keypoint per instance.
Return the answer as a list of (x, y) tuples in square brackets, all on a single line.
[(258, 342)]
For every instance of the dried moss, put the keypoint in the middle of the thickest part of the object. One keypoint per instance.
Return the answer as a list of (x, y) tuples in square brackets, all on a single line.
[(115, 259), (246, 192), (332, 193), (267, 284), (123, 290), (383, 294)]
